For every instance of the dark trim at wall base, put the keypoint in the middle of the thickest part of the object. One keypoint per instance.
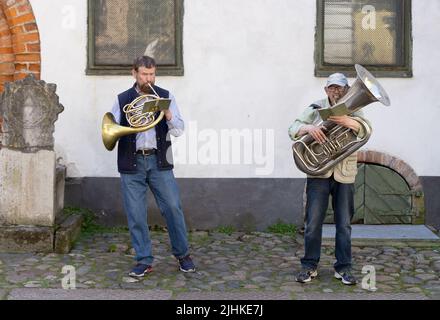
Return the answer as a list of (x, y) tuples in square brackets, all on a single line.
[(431, 189), (246, 204)]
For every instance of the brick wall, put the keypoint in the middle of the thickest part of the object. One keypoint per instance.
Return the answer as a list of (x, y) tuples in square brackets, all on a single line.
[(19, 28), (7, 57), (19, 42)]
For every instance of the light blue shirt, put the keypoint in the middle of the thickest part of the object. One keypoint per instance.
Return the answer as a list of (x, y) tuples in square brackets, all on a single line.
[(147, 139)]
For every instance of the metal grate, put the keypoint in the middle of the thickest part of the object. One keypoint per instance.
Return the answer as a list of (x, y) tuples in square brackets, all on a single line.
[(364, 32), (128, 29)]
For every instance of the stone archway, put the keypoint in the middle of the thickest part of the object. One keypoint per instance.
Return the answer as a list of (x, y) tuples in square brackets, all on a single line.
[(20, 53), (406, 172), (19, 41)]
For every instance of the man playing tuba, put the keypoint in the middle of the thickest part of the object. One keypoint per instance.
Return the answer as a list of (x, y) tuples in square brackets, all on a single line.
[(144, 160), (337, 182)]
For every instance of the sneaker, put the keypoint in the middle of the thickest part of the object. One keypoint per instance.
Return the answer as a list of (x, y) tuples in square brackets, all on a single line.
[(346, 277), (140, 270), (186, 264), (306, 275)]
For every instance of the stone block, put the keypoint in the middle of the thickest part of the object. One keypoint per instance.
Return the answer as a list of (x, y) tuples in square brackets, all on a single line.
[(30, 109), (17, 239), (20, 239), (66, 234), (27, 188)]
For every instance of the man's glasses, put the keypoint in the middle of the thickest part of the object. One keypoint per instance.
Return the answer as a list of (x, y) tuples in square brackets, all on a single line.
[(340, 89)]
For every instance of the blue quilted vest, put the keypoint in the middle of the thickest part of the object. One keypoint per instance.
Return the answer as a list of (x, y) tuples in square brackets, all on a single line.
[(127, 144)]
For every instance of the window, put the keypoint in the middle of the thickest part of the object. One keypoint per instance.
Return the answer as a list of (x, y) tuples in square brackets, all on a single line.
[(373, 33), (120, 31)]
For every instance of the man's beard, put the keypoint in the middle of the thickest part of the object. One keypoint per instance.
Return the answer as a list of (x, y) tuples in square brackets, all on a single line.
[(146, 89)]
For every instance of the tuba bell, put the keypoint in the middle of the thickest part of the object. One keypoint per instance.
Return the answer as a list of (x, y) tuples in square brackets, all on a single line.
[(141, 115), (314, 158)]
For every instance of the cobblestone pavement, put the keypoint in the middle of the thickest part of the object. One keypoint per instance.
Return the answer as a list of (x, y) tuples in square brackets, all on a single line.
[(229, 266)]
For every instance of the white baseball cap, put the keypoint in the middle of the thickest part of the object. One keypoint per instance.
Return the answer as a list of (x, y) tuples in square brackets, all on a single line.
[(337, 79)]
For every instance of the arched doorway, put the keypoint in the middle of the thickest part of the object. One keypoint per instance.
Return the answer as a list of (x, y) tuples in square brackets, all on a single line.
[(388, 191)]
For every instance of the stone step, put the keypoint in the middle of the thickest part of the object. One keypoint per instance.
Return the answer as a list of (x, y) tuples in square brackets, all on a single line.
[(389, 232), (88, 294), (119, 294)]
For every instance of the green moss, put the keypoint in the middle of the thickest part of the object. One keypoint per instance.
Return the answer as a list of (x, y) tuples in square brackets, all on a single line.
[(225, 229), (283, 228), (90, 225)]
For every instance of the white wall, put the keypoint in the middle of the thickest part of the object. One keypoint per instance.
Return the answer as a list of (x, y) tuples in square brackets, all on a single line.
[(248, 65)]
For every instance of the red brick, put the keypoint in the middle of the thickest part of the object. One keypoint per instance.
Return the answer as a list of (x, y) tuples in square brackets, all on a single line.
[(19, 48), (17, 29), (33, 47), (30, 27), (7, 68), (7, 58), (34, 67), (6, 37), (5, 32), (10, 12), (21, 66), (5, 50), (15, 21), (26, 37), (5, 41), (25, 8), (6, 78), (22, 19), (20, 76), (31, 57), (3, 26)]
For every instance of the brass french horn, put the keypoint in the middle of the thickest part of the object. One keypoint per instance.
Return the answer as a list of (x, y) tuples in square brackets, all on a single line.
[(137, 118), (316, 159)]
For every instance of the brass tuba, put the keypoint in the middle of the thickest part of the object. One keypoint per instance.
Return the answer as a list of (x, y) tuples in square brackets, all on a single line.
[(316, 159), (140, 114)]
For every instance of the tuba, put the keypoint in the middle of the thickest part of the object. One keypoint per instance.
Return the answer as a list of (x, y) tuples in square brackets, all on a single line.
[(140, 114), (316, 159)]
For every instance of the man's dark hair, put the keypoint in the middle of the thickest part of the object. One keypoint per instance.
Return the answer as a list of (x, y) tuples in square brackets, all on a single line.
[(144, 61)]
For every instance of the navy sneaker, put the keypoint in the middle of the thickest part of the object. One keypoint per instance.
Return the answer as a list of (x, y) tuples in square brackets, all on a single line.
[(140, 270), (346, 277), (186, 264), (306, 275)]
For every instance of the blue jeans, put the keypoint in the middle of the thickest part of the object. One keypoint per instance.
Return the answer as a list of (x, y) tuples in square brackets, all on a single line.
[(165, 190), (318, 191)]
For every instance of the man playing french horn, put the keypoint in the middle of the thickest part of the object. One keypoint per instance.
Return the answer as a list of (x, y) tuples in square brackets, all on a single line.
[(144, 160), (337, 182)]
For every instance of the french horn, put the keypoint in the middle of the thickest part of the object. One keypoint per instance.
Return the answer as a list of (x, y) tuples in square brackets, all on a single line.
[(138, 119)]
